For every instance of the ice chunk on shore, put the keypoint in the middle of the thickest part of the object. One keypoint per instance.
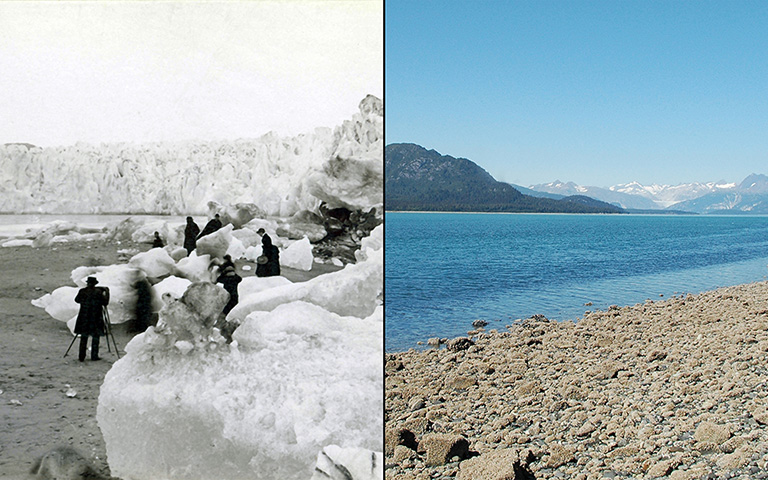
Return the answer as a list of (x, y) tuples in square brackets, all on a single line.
[(355, 290), (120, 279), (300, 379), (195, 267), (155, 263), (60, 304), (18, 243), (336, 463), (215, 244), (298, 255), (252, 285)]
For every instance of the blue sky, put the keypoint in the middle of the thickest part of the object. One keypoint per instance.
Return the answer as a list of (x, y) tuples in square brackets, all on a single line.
[(595, 92)]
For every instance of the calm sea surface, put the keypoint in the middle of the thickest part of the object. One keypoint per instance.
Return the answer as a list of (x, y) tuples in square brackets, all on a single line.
[(16, 225), (445, 270)]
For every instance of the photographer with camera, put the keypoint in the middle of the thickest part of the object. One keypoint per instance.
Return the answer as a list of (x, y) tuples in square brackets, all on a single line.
[(90, 319)]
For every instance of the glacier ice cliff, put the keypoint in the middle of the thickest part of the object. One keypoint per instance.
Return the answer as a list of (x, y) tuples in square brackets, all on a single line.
[(340, 167)]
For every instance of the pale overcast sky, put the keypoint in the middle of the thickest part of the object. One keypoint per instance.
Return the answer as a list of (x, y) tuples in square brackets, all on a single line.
[(105, 71)]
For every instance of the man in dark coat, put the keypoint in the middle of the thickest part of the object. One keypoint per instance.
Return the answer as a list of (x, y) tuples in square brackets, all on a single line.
[(230, 279), (210, 227), (191, 231), (271, 267), (90, 319)]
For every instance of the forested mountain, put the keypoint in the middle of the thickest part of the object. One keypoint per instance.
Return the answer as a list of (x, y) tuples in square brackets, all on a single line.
[(421, 179)]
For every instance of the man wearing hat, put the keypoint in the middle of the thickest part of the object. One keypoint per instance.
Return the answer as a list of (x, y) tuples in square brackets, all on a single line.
[(90, 319)]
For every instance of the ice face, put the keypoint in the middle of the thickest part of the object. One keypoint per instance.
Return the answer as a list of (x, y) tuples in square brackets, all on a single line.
[(272, 176)]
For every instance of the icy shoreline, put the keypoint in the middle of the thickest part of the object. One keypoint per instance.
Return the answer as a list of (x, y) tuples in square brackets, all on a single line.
[(669, 388)]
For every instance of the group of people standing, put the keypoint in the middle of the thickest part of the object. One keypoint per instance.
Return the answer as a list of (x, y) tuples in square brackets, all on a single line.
[(93, 300), (268, 263)]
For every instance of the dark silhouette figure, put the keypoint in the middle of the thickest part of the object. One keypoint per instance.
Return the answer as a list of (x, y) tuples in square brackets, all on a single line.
[(90, 319), (191, 231), (230, 279), (157, 242), (143, 313), (264, 235), (226, 263), (210, 227), (271, 267)]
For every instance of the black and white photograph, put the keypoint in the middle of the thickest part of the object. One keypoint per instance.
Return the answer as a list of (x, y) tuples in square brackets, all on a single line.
[(191, 234)]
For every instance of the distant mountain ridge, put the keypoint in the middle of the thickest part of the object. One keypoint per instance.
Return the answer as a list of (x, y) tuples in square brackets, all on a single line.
[(749, 196), (421, 179)]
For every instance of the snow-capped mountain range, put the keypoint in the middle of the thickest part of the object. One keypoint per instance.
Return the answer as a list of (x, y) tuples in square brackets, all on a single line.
[(748, 196)]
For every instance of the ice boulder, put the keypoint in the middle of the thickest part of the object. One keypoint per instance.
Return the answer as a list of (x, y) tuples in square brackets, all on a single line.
[(336, 463), (370, 244), (298, 255), (44, 239), (195, 267), (252, 285), (215, 244), (120, 279), (18, 242), (353, 290), (176, 253), (297, 230), (123, 230), (247, 236), (156, 263), (236, 249), (171, 234), (238, 214), (353, 176), (252, 253), (298, 379), (60, 304), (172, 286)]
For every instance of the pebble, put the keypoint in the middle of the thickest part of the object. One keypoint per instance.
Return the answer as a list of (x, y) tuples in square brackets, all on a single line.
[(674, 386)]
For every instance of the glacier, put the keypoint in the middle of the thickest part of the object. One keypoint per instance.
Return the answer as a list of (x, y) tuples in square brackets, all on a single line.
[(341, 167), (299, 369)]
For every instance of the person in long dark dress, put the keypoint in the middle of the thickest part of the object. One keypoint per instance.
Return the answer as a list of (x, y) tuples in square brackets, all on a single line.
[(229, 278), (90, 319), (271, 267), (211, 226), (191, 231)]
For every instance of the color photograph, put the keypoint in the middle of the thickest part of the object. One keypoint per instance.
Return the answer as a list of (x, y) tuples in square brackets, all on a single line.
[(576, 244), (191, 231)]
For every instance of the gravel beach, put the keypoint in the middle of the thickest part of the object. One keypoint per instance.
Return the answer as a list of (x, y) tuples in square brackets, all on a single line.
[(667, 389)]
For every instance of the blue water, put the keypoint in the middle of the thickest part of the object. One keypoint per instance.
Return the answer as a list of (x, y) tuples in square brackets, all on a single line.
[(445, 270)]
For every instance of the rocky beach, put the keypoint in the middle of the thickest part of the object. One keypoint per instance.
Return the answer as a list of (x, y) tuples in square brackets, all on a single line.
[(675, 388)]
